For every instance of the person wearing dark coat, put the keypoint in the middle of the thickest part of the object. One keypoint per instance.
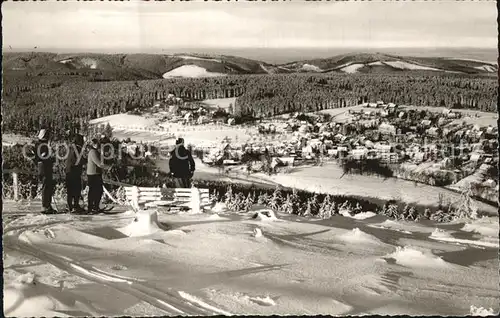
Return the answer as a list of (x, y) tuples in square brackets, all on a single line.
[(181, 165), (44, 160), (74, 168)]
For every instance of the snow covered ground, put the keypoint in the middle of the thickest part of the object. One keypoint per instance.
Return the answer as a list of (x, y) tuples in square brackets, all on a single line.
[(410, 66), (232, 263), (311, 68), (123, 120), (199, 135), (223, 103)]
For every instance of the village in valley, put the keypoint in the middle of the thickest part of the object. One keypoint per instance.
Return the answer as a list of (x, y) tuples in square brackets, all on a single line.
[(436, 146)]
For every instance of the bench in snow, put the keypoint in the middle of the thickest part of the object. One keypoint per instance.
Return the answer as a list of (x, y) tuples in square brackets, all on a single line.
[(190, 198)]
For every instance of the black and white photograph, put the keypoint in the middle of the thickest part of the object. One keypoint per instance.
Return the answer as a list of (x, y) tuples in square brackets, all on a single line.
[(208, 158)]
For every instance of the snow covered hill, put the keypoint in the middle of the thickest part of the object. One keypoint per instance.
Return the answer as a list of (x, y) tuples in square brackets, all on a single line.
[(378, 62), (190, 71), (235, 263), (156, 66)]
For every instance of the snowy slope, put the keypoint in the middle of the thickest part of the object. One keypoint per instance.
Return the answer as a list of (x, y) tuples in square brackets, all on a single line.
[(235, 264), (409, 66), (191, 71), (353, 68), (311, 68)]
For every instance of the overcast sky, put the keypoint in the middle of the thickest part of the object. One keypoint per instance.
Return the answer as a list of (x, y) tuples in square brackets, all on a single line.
[(151, 25)]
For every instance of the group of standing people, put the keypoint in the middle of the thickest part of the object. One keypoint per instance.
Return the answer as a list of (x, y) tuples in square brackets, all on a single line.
[(75, 160)]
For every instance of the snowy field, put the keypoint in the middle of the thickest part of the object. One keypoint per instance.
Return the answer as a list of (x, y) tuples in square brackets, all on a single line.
[(198, 136), (223, 103), (353, 68), (10, 139), (327, 179), (230, 263), (135, 127), (123, 120), (191, 71)]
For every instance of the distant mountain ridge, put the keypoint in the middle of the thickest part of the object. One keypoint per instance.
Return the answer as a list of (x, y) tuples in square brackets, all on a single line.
[(377, 62), (153, 66)]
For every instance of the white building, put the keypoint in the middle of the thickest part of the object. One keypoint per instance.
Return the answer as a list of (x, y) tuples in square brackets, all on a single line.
[(381, 148), (475, 156), (307, 151), (433, 131), (426, 123)]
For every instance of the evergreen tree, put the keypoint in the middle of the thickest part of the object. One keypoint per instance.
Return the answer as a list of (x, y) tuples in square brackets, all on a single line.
[(288, 205), (406, 212), (467, 208), (392, 211), (345, 207), (427, 213), (357, 208), (314, 205), (276, 199), (248, 202), (108, 131), (239, 202), (229, 196), (309, 209), (334, 208), (263, 199), (413, 214), (325, 210), (291, 204)]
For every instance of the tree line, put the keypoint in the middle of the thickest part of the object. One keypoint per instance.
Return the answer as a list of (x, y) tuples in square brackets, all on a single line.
[(31, 102)]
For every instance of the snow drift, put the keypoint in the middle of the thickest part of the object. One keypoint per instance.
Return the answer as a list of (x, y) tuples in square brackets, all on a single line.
[(265, 215), (440, 235), (358, 236), (257, 232), (484, 227), (413, 257), (363, 215), (27, 297)]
